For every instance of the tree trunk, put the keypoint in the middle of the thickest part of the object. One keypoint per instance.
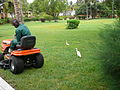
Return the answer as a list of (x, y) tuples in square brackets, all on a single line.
[(18, 11), (87, 11), (112, 8), (55, 17)]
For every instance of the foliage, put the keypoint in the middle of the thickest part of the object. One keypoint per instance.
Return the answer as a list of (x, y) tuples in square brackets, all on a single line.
[(6, 20), (2, 1), (25, 7), (55, 7), (66, 17), (8, 7), (72, 24), (104, 11), (31, 19), (2, 21), (94, 8), (48, 17), (111, 47), (51, 7), (81, 10), (43, 16), (36, 7), (114, 5), (63, 17), (87, 7), (27, 19)]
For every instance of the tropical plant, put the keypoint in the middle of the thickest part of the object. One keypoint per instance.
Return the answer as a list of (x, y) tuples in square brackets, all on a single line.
[(110, 51), (7, 7), (114, 5), (18, 10), (87, 7)]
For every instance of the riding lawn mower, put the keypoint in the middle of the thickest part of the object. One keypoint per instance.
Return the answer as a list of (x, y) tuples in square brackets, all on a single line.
[(24, 55)]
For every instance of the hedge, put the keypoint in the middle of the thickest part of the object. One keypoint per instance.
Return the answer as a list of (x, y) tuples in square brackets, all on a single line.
[(72, 23)]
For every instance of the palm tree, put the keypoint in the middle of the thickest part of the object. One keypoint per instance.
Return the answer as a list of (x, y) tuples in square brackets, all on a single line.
[(8, 8), (18, 10), (89, 4)]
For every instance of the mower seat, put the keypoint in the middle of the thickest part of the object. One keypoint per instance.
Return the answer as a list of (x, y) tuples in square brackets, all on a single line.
[(27, 42)]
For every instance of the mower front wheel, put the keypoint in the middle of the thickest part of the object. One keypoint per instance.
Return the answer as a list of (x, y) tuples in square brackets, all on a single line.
[(39, 60), (16, 65)]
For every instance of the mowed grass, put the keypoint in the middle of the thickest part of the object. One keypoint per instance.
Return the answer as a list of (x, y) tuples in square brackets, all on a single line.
[(62, 69)]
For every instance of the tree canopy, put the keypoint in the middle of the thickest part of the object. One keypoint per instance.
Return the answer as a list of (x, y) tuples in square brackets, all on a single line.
[(51, 7)]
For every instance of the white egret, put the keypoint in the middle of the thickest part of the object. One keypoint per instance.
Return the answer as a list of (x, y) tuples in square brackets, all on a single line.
[(67, 43), (78, 52)]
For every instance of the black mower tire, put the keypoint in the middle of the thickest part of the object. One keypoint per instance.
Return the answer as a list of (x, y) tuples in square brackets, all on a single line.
[(1, 56), (16, 65), (39, 61)]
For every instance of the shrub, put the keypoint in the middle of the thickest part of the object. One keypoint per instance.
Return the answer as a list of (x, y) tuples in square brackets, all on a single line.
[(72, 23), (60, 18), (43, 16), (48, 17), (1, 21), (35, 19), (63, 17), (27, 19), (110, 51), (6, 20), (31, 19), (42, 19)]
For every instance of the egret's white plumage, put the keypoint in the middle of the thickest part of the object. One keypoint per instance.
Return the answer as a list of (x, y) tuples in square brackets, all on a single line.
[(78, 52), (67, 43)]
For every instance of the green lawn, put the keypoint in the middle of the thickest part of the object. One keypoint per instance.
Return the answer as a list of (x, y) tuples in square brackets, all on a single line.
[(63, 70)]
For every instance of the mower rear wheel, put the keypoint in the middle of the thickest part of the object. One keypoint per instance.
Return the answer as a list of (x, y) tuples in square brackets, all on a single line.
[(1, 56), (39, 61), (16, 65)]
